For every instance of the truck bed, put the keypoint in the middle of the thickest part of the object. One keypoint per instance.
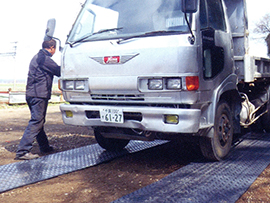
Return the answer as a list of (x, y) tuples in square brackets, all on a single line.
[(259, 68)]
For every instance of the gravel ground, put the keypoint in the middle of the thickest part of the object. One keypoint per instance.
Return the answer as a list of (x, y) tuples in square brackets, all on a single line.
[(105, 182)]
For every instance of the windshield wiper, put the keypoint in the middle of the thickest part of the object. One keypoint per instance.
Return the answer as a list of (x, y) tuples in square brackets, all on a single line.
[(99, 32), (147, 34), (108, 30)]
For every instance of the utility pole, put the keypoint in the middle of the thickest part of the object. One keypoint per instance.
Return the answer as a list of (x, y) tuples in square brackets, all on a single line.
[(10, 50)]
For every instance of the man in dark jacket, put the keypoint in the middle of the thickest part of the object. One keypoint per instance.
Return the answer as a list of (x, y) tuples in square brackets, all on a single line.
[(38, 92)]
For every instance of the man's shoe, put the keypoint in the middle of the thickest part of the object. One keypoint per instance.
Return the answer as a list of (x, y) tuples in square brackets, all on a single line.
[(47, 150), (27, 156)]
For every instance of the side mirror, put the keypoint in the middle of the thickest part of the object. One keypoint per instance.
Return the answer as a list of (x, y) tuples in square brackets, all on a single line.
[(50, 29), (189, 6)]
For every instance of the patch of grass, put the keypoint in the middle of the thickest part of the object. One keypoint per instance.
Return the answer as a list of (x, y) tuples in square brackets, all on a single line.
[(14, 87), (13, 106)]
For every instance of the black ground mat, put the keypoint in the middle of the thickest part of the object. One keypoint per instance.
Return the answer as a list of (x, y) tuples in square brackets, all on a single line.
[(223, 181), (27, 172)]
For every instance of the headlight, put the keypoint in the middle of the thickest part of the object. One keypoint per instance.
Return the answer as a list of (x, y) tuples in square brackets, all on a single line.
[(79, 85), (69, 84), (174, 83), (155, 84)]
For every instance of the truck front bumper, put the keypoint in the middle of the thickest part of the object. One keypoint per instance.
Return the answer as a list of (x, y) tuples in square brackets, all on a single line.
[(151, 118)]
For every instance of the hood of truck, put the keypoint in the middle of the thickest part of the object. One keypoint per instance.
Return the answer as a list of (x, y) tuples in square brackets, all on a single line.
[(109, 65)]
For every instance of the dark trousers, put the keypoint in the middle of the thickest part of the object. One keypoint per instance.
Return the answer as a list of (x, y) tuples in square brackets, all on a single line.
[(35, 128)]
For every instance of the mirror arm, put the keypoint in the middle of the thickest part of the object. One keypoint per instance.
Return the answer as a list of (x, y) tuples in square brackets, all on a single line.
[(192, 37), (60, 47)]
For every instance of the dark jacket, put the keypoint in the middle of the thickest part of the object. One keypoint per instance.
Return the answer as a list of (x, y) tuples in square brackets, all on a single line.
[(40, 76)]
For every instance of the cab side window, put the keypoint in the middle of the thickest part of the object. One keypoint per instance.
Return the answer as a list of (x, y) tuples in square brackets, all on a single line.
[(212, 15), (203, 15), (211, 19), (216, 15)]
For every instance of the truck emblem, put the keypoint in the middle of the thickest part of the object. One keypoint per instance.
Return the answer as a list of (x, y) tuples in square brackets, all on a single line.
[(110, 60)]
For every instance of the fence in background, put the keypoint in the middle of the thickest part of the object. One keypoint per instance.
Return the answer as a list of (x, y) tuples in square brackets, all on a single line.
[(18, 97)]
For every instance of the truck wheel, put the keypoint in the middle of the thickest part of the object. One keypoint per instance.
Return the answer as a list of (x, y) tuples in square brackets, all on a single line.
[(110, 144), (217, 143)]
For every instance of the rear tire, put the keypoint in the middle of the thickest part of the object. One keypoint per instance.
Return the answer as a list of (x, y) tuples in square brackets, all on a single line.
[(110, 144), (216, 145)]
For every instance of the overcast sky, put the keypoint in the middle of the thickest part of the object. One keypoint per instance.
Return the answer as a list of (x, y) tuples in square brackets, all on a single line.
[(24, 21)]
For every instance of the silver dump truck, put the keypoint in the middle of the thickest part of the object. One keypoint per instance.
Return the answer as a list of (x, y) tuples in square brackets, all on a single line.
[(164, 69)]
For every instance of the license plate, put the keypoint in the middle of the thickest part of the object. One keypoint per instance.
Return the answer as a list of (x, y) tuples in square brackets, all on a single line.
[(111, 115)]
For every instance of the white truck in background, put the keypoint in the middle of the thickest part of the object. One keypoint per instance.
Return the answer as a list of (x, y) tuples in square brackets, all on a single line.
[(164, 69)]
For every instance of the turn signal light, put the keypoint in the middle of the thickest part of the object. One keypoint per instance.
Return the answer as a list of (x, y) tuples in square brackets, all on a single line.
[(192, 83), (59, 85)]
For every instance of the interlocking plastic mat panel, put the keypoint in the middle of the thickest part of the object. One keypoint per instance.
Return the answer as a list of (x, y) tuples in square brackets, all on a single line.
[(223, 181), (27, 172)]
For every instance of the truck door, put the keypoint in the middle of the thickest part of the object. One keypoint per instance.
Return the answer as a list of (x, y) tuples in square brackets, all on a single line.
[(215, 39), (218, 77)]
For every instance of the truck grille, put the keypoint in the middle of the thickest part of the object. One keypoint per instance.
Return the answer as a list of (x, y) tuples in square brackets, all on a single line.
[(119, 97)]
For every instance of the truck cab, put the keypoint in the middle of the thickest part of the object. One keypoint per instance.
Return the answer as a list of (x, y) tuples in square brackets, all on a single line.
[(158, 71)]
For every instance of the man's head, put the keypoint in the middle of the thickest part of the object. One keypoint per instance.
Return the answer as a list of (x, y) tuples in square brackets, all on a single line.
[(50, 46)]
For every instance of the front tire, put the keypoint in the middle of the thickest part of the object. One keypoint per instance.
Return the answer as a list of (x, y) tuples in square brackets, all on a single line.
[(216, 145), (110, 144)]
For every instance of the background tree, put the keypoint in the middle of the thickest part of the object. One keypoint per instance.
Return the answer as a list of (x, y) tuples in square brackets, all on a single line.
[(263, 27)]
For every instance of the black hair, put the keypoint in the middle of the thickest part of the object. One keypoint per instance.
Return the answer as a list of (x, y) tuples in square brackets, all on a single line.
[(49, 44)]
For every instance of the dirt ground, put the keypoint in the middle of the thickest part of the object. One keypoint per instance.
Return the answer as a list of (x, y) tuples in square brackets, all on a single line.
[(105, 182)]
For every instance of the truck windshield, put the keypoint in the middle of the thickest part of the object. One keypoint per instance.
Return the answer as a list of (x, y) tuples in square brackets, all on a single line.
[(123, 19)]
